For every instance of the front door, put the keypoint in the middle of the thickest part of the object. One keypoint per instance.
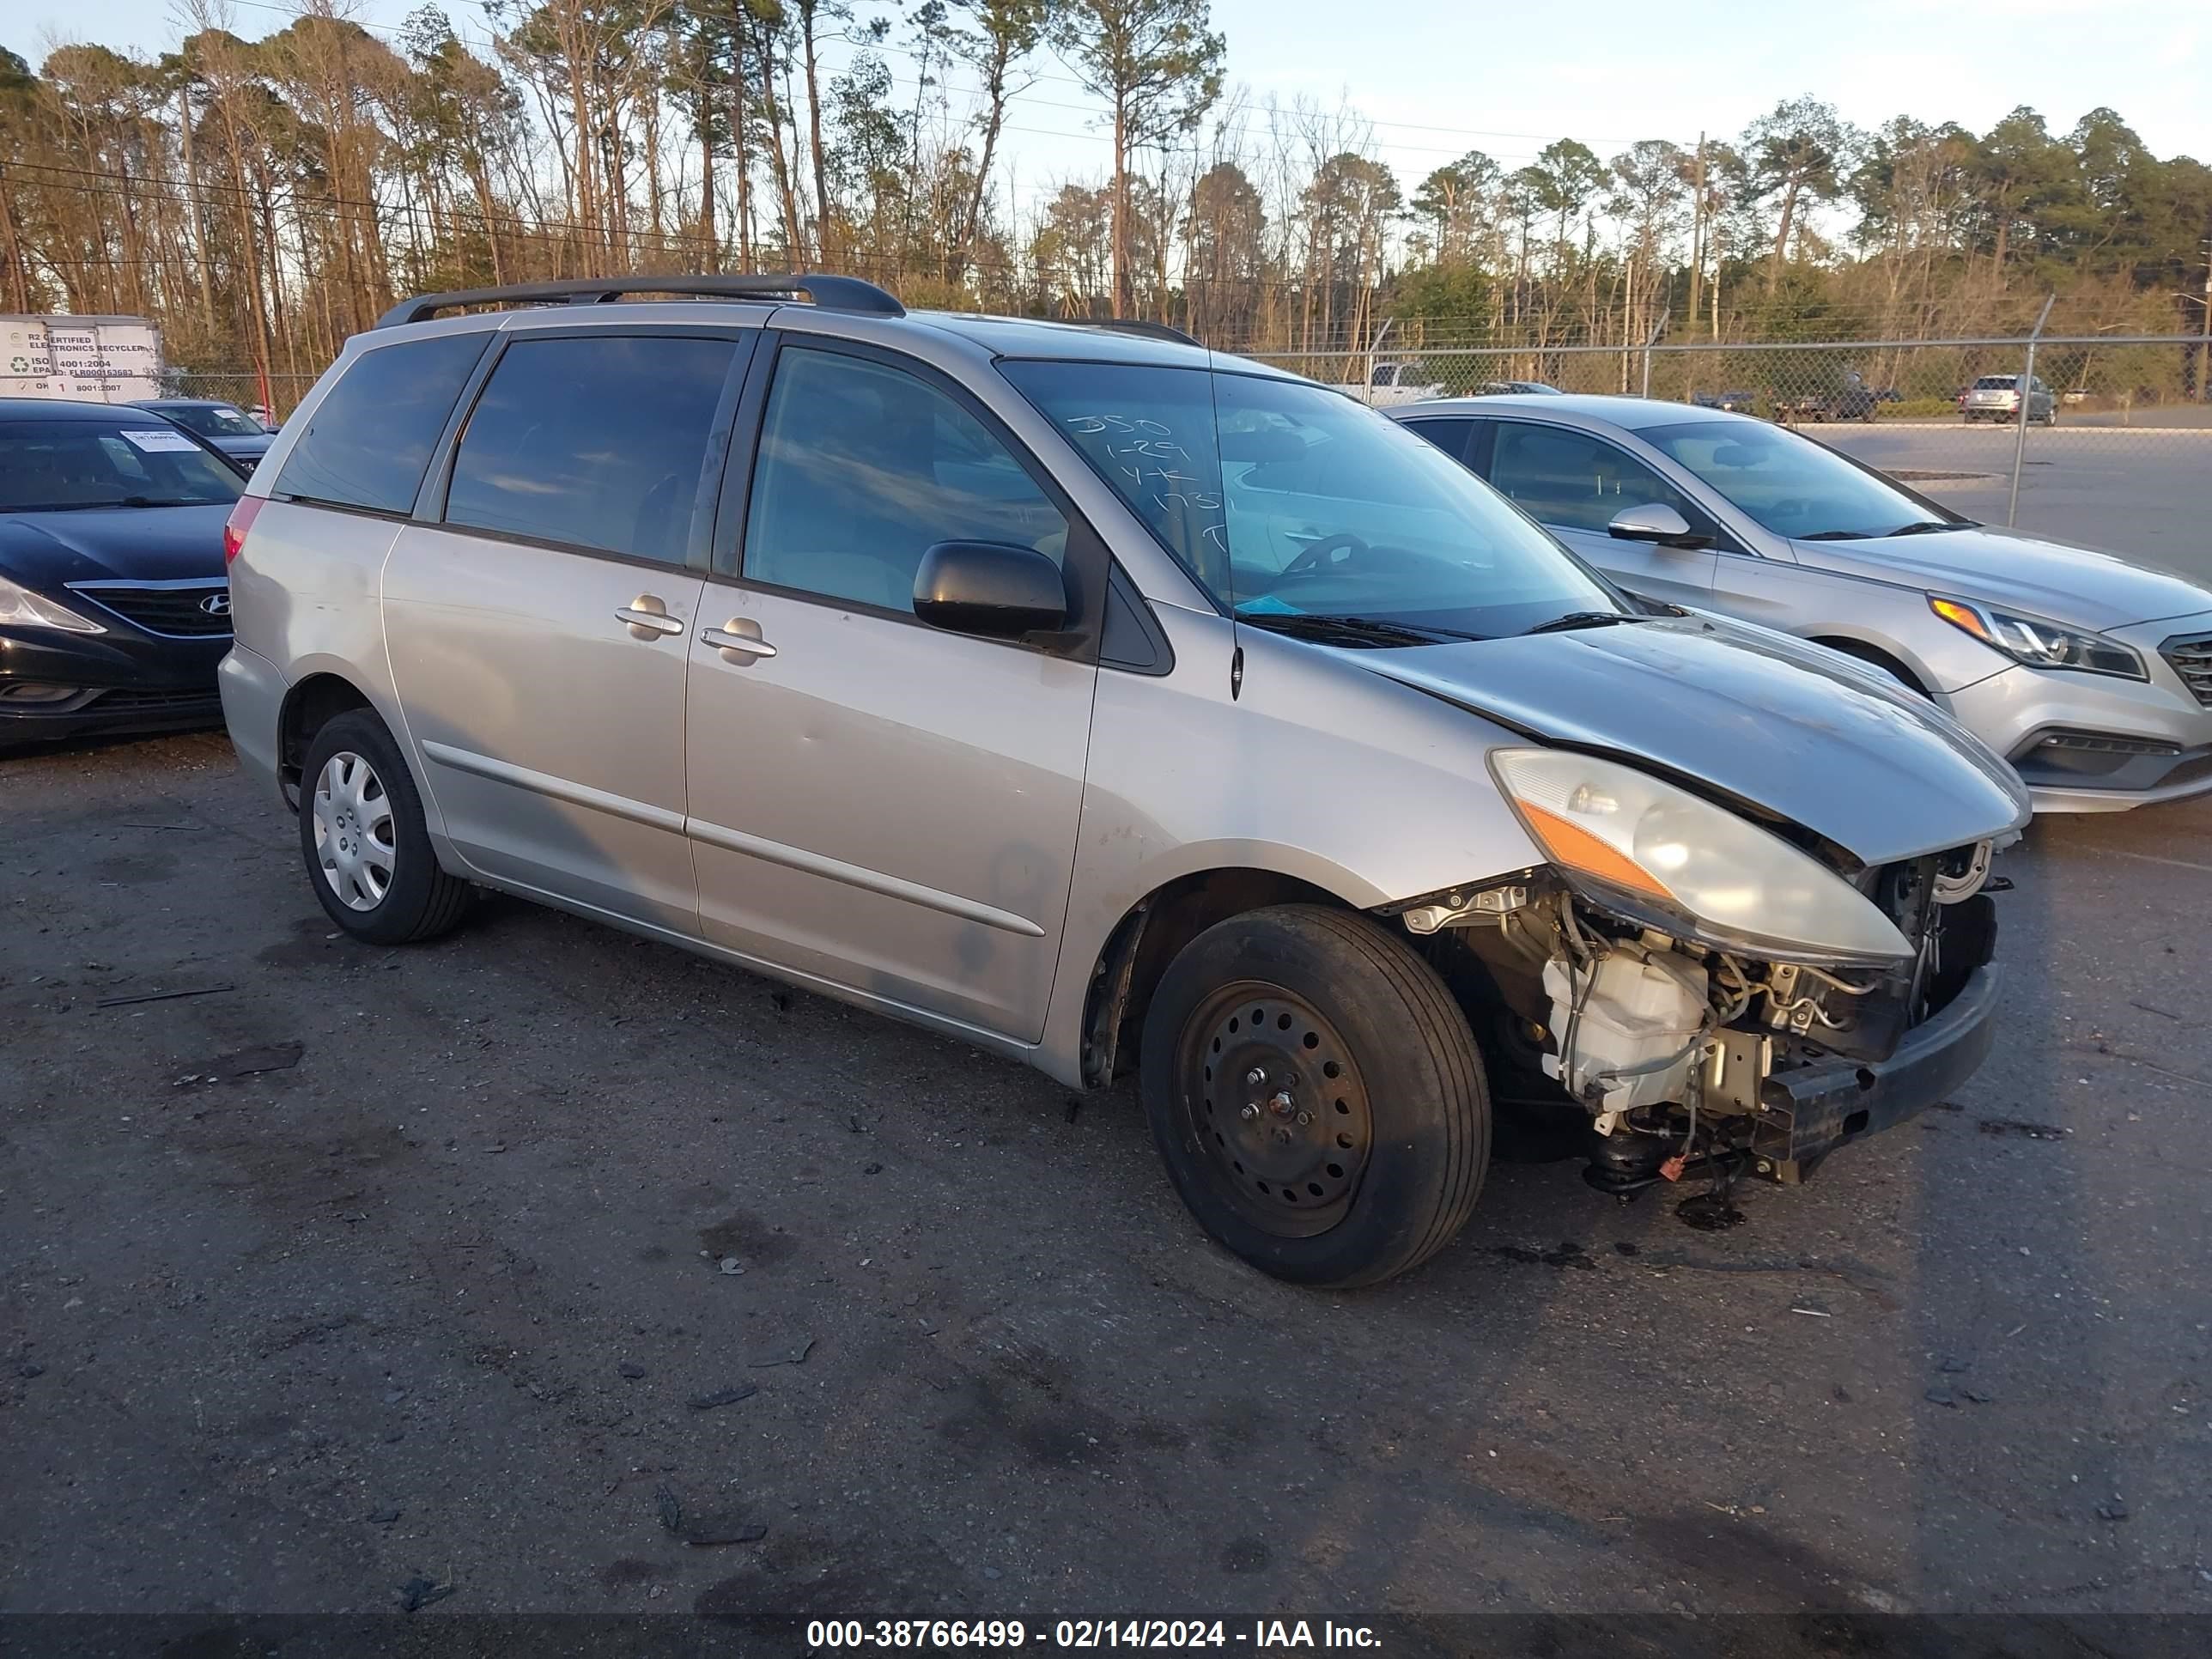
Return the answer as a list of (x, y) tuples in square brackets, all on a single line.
[(539, 636), (875, 802), (1573, 482)]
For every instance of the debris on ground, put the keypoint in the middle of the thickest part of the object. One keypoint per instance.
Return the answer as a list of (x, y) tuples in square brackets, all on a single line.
[(1568, 1255), (162, 996), (711, 1530), (796, 1356), (419, 1592), (669, 1508), (1708, 1212), (731, 1266), (2113, 1509), (2012, 1126), (630, 1369), (729, 1396), (1939, 1397)]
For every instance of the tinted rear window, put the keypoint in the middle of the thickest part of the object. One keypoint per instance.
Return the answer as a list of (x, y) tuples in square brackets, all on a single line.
[(369, 442), (594, 441)]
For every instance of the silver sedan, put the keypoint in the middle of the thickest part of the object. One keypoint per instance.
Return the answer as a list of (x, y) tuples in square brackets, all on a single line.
[(2091, 675)]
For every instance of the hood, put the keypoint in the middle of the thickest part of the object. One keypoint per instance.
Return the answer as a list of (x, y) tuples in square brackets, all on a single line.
[(1786, 726), (136, 543), (2049, 580)]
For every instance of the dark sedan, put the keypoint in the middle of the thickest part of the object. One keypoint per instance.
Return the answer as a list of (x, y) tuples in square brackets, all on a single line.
[(114, 605), (228, 427)]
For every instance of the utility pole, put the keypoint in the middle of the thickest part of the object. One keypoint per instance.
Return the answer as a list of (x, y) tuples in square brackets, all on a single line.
[(2204, 351)]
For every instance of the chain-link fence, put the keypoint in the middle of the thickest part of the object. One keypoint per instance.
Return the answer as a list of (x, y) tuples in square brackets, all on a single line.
[(2115, 451)]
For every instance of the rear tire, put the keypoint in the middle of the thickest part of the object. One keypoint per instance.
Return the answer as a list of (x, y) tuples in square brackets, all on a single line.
[(1360, 1149), (364, 839)]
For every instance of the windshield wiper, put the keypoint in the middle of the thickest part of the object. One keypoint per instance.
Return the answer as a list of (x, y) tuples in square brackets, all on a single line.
[(1575, 619), (1347, 630), (1929, 526), (1834, 536)]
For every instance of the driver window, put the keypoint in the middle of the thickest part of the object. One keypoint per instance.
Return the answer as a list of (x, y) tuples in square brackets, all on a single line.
[(863, 467), (1573, 480)]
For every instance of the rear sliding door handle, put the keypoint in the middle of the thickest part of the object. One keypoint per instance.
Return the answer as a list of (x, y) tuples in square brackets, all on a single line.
[(735, 646), (647, 618)]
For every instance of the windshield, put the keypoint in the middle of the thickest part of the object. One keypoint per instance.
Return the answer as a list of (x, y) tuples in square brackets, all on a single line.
[(1286, 502), (1790, 485), (214, 421), (54, 465)]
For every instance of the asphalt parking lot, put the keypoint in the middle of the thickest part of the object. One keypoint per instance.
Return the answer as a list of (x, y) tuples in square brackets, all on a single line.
[(508, 1264), (2136, 490)]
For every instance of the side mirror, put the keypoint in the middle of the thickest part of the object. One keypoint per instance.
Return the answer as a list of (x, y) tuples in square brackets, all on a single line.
[(991, 588), (1655, 521)]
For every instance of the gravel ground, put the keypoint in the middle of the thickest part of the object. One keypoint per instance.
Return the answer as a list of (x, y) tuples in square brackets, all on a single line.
[(365, 1267)]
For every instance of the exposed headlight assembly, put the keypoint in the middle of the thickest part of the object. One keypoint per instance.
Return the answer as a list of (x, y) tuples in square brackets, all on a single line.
[(22, 608), (2040, 644), (1652, 852)]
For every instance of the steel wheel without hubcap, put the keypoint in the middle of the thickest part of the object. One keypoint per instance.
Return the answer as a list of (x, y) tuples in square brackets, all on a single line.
[(1276, 1108), (355, 844)]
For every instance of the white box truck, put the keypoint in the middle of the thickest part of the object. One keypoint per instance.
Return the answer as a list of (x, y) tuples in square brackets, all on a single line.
[(98, 360)]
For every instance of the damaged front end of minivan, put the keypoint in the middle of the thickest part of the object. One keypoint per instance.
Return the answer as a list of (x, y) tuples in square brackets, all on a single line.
[(1687, 993)]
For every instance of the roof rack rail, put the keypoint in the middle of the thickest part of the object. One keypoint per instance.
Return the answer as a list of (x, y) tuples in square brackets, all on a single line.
[(1139, 325), (831, 293)]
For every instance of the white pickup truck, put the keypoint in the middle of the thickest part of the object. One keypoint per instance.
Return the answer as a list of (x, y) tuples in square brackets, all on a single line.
[(1392, 383)]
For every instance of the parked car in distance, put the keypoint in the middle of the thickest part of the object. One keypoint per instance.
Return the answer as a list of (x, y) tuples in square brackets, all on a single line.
[(2092, 676), (899, 655), (1848, 403), (1393, 383), (226, 427), (1996, 397), (1739, 403), (114, 609), (1511, 388)]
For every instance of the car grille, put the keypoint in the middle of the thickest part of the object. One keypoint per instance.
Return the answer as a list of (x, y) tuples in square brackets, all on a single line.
[(2191, 657), (147, 698), (173, 610)]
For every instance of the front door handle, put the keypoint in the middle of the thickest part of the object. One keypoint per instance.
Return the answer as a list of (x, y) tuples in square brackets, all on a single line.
[(738, 641), (648, 618)]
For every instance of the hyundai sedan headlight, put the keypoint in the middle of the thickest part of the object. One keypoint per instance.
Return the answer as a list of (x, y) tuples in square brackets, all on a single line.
[(22, 608), (1655, 853), (2040, 644)]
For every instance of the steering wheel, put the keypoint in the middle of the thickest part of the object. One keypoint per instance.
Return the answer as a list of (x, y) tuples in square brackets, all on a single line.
[(1311, 556)]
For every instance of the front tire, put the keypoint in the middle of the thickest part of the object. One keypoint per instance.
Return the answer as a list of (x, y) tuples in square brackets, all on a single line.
[(1316, 1096), (362, 834)]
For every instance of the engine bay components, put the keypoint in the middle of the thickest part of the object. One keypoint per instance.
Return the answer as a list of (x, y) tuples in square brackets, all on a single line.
[(1630, 1024)]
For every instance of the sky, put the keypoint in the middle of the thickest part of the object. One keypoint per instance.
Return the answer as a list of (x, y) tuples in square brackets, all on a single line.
[(1439, 77)]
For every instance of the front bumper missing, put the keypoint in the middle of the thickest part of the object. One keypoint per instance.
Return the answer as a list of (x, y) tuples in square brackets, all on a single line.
[(1806, 1114)]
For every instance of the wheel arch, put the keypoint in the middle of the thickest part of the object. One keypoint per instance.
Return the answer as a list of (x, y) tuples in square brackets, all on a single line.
[(1878, 654), (312, 702)]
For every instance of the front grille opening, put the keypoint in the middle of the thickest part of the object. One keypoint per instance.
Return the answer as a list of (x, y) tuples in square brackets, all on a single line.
[(2190, 656), (179, 612)]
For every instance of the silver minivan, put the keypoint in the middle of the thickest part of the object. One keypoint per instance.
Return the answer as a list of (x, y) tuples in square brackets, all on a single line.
[(1114, 706)]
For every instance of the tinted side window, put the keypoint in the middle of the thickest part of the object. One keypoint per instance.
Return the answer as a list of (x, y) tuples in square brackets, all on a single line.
[(370, 440), (596, 441), (1450, 436), (862, 467), (1573, 480)]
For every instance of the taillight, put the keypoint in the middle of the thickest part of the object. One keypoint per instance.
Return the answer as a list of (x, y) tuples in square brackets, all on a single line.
[(234, 528)]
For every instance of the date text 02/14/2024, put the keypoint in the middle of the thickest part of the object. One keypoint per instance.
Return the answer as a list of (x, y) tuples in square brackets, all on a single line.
[(832, 1633)]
